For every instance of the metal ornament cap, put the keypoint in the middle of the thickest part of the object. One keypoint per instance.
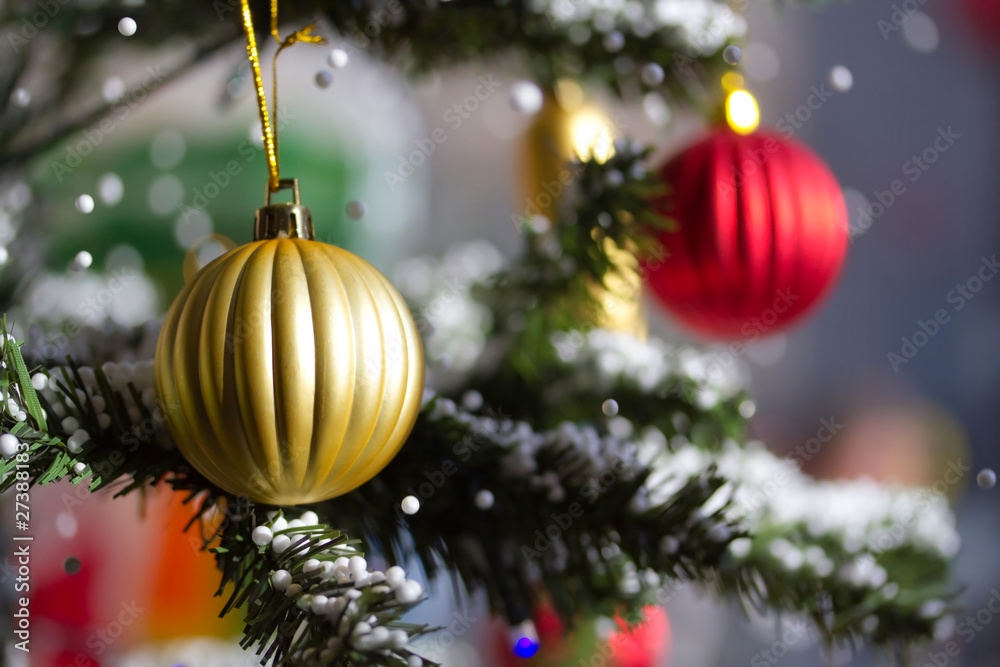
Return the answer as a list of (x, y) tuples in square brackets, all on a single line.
[(289, 370), (282, 221)]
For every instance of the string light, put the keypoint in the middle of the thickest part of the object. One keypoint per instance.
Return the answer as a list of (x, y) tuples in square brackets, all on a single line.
[(742, 112), (525, 639), (592, 136), (732, 81)]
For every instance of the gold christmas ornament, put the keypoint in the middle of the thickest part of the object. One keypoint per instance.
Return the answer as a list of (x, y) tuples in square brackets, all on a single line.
[(567, 128), (290, 370)]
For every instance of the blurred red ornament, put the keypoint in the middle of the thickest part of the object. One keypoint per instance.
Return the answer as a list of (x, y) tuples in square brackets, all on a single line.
[(984, 18), (762, 234), (643, 645)]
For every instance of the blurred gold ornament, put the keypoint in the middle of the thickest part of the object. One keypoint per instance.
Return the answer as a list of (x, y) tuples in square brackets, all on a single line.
[(290, 370), (568, 128)]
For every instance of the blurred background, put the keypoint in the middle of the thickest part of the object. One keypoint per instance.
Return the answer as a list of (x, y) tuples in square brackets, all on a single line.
[(180, 174)]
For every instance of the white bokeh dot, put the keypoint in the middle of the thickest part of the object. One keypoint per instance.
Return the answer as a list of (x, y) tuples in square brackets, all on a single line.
[(167, 149), (165, 194), (110, 188), (112, 89), (209, 251), (526, 97), (84, 203), (760, 61), (123, 256), (127, 26), (656, 108), (338, 58), (857, 211), (410, 505), (921, 32), (20, 97), (192, 226), (841, 78), (324, 78), (652, 74), (256, 134), (356, 209), (83, 259), (768, 351), (66, 525)]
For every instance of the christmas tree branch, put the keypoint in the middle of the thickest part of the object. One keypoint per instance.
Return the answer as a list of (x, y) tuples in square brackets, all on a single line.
[(310, 597), (643, 514), (565, 507), (634, 48), (594, 470), (690, 403), (603, 521), (307, 593)]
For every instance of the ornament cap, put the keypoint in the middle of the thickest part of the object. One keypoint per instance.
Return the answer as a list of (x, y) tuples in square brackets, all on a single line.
[(282, 221)]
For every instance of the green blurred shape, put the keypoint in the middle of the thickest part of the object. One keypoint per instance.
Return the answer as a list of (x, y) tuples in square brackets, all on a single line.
[(225, 178)]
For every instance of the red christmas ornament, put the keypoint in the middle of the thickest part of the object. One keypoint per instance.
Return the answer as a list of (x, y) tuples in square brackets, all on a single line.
[(644, 645), (762, 234)]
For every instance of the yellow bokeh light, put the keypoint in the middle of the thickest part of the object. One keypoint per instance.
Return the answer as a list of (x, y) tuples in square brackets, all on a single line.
[(742, 112), (732, 81), (592, 136), (569, 94)]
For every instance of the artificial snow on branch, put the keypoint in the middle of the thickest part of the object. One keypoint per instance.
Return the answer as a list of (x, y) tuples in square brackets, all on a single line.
[(559, 462), (595, 519), (307, 591)]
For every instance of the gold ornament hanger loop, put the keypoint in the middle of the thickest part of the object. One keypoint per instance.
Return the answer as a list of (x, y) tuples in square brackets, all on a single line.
[(282, 221), (270, 136)]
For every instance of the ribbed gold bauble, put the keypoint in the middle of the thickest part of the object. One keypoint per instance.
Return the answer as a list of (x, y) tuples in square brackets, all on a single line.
[(565, 129), (289, 370)]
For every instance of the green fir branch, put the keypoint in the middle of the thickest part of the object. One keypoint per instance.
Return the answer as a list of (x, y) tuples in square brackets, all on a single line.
[(122, 453)]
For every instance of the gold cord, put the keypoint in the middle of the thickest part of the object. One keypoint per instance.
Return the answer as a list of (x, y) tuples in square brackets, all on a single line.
[(270, 136)]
